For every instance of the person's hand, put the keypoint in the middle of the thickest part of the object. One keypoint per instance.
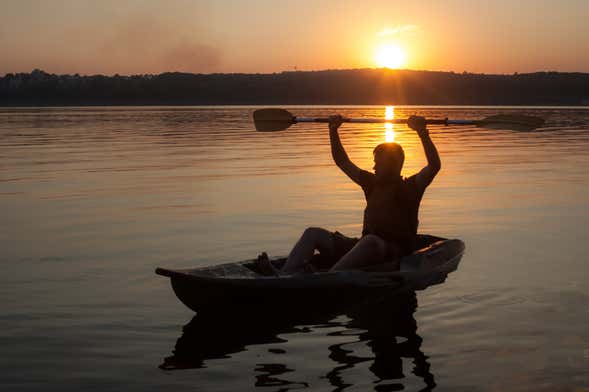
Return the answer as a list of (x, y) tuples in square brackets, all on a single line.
[(335, 122), (418, 124)]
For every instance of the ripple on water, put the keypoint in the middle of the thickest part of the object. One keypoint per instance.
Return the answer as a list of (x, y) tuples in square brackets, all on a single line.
[(493, 298)]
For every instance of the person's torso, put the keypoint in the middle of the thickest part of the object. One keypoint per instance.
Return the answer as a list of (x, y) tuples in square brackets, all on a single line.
[(392, 210)]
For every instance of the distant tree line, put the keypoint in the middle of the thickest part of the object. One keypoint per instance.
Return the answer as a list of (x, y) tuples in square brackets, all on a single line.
[(358, 86)]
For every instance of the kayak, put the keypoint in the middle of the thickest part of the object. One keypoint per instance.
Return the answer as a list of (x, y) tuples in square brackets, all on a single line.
[(242, 284)]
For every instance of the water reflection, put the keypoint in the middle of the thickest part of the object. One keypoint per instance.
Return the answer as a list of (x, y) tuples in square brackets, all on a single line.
[(378, 335), (389, 114)]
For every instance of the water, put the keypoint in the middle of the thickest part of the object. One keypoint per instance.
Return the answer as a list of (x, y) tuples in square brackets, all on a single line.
[(93, 199)]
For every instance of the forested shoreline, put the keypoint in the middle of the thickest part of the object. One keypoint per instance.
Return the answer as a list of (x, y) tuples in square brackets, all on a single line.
[(337, 87)]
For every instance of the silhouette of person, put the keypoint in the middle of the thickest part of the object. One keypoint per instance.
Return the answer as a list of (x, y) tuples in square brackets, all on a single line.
[(390, 217)]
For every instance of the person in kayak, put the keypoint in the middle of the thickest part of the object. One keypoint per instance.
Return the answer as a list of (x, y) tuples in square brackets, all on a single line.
[(390, 217)]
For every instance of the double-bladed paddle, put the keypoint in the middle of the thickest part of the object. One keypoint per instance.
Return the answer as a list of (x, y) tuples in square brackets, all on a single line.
[(274, 119)]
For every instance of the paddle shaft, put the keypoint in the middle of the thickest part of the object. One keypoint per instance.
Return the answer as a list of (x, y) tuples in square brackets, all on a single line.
[(443, 121), (275, 119)]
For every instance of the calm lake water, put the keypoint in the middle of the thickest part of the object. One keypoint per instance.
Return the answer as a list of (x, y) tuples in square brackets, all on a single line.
[(94, 199)]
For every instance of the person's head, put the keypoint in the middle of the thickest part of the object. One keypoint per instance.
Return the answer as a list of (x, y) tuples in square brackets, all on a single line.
[(388, 160)]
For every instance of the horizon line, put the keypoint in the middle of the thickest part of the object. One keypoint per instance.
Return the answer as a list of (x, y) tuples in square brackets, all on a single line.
[(384, 69)]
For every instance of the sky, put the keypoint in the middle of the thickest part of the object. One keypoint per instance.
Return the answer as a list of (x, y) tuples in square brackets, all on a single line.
[(259, 36)]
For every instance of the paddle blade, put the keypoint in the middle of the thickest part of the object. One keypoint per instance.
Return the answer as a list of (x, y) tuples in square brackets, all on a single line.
[(515, 122), (273, 119)]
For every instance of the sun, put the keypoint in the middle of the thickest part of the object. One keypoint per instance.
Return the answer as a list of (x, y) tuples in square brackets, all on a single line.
[(390, 56)]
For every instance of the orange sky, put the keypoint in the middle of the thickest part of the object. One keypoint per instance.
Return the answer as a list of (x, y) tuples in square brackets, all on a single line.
[(141, 36)]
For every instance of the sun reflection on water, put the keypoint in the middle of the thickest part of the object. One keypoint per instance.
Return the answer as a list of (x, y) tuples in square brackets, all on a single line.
[(389, 114)]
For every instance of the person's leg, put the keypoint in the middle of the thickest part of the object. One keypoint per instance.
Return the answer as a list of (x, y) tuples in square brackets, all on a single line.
[(313, 238), (369, 250)]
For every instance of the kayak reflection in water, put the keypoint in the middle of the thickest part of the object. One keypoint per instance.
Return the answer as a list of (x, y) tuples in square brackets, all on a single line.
[(390, 217), (387, 327)]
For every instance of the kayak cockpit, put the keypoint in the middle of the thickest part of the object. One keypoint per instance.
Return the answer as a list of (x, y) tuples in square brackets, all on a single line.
[(323, 263)]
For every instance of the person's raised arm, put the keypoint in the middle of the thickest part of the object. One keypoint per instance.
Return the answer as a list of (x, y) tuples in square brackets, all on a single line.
[(339, 154), (427, 174)]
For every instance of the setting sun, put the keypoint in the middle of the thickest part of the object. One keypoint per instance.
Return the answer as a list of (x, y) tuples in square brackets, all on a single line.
[(390, 56)]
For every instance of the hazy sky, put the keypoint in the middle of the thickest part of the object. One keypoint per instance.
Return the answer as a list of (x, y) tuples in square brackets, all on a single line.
[(148, 36)]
